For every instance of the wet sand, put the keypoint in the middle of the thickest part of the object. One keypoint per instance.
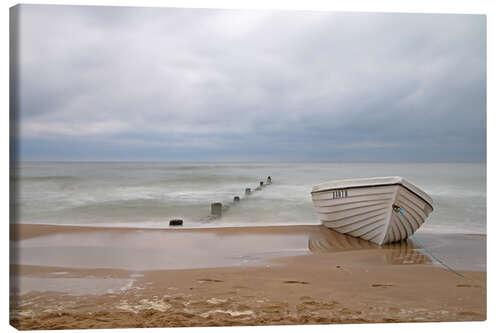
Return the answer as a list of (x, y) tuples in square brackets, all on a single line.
[(88, 277)]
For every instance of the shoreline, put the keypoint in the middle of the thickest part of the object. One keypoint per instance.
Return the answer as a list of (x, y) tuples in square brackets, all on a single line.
[(76, 277), (19, 231)]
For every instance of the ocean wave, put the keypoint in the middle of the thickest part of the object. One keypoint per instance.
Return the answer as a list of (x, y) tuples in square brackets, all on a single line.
[(152, 193), (45, 178)]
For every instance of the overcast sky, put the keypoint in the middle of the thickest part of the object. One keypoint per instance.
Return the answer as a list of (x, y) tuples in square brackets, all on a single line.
[(160, 84)]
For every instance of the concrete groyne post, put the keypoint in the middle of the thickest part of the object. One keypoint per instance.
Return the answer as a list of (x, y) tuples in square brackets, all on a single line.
[(175, 222), (216, 209)]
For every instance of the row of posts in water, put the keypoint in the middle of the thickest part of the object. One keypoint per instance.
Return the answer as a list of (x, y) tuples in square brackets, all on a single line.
[(217, 208)]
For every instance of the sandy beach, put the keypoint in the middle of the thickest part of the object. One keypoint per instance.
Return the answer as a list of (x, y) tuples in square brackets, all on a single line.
[(88, 277)]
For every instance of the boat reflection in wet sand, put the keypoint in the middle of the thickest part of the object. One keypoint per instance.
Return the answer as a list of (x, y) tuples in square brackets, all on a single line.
[(381, 210), (401, 253)]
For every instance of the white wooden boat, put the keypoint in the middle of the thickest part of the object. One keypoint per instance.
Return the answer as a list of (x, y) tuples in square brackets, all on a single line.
[(382, 210)]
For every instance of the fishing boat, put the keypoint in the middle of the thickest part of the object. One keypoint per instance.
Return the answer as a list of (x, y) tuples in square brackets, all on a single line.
[(382, 210)]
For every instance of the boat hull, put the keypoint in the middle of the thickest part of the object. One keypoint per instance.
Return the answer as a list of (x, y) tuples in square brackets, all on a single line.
[(378, 213)]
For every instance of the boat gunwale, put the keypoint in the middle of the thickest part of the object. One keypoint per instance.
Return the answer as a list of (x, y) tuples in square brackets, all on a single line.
[(373, 185)]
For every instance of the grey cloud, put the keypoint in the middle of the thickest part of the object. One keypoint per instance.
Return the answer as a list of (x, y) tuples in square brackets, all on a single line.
[(190, 83)]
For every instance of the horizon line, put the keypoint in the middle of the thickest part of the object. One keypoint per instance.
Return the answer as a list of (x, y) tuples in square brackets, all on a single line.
[(234, 162)]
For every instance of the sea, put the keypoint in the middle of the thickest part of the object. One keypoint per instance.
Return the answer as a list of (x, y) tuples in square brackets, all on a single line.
[(149, 195)]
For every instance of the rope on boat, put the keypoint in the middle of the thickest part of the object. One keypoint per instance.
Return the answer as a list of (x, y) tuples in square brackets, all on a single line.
[(435, 258)]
